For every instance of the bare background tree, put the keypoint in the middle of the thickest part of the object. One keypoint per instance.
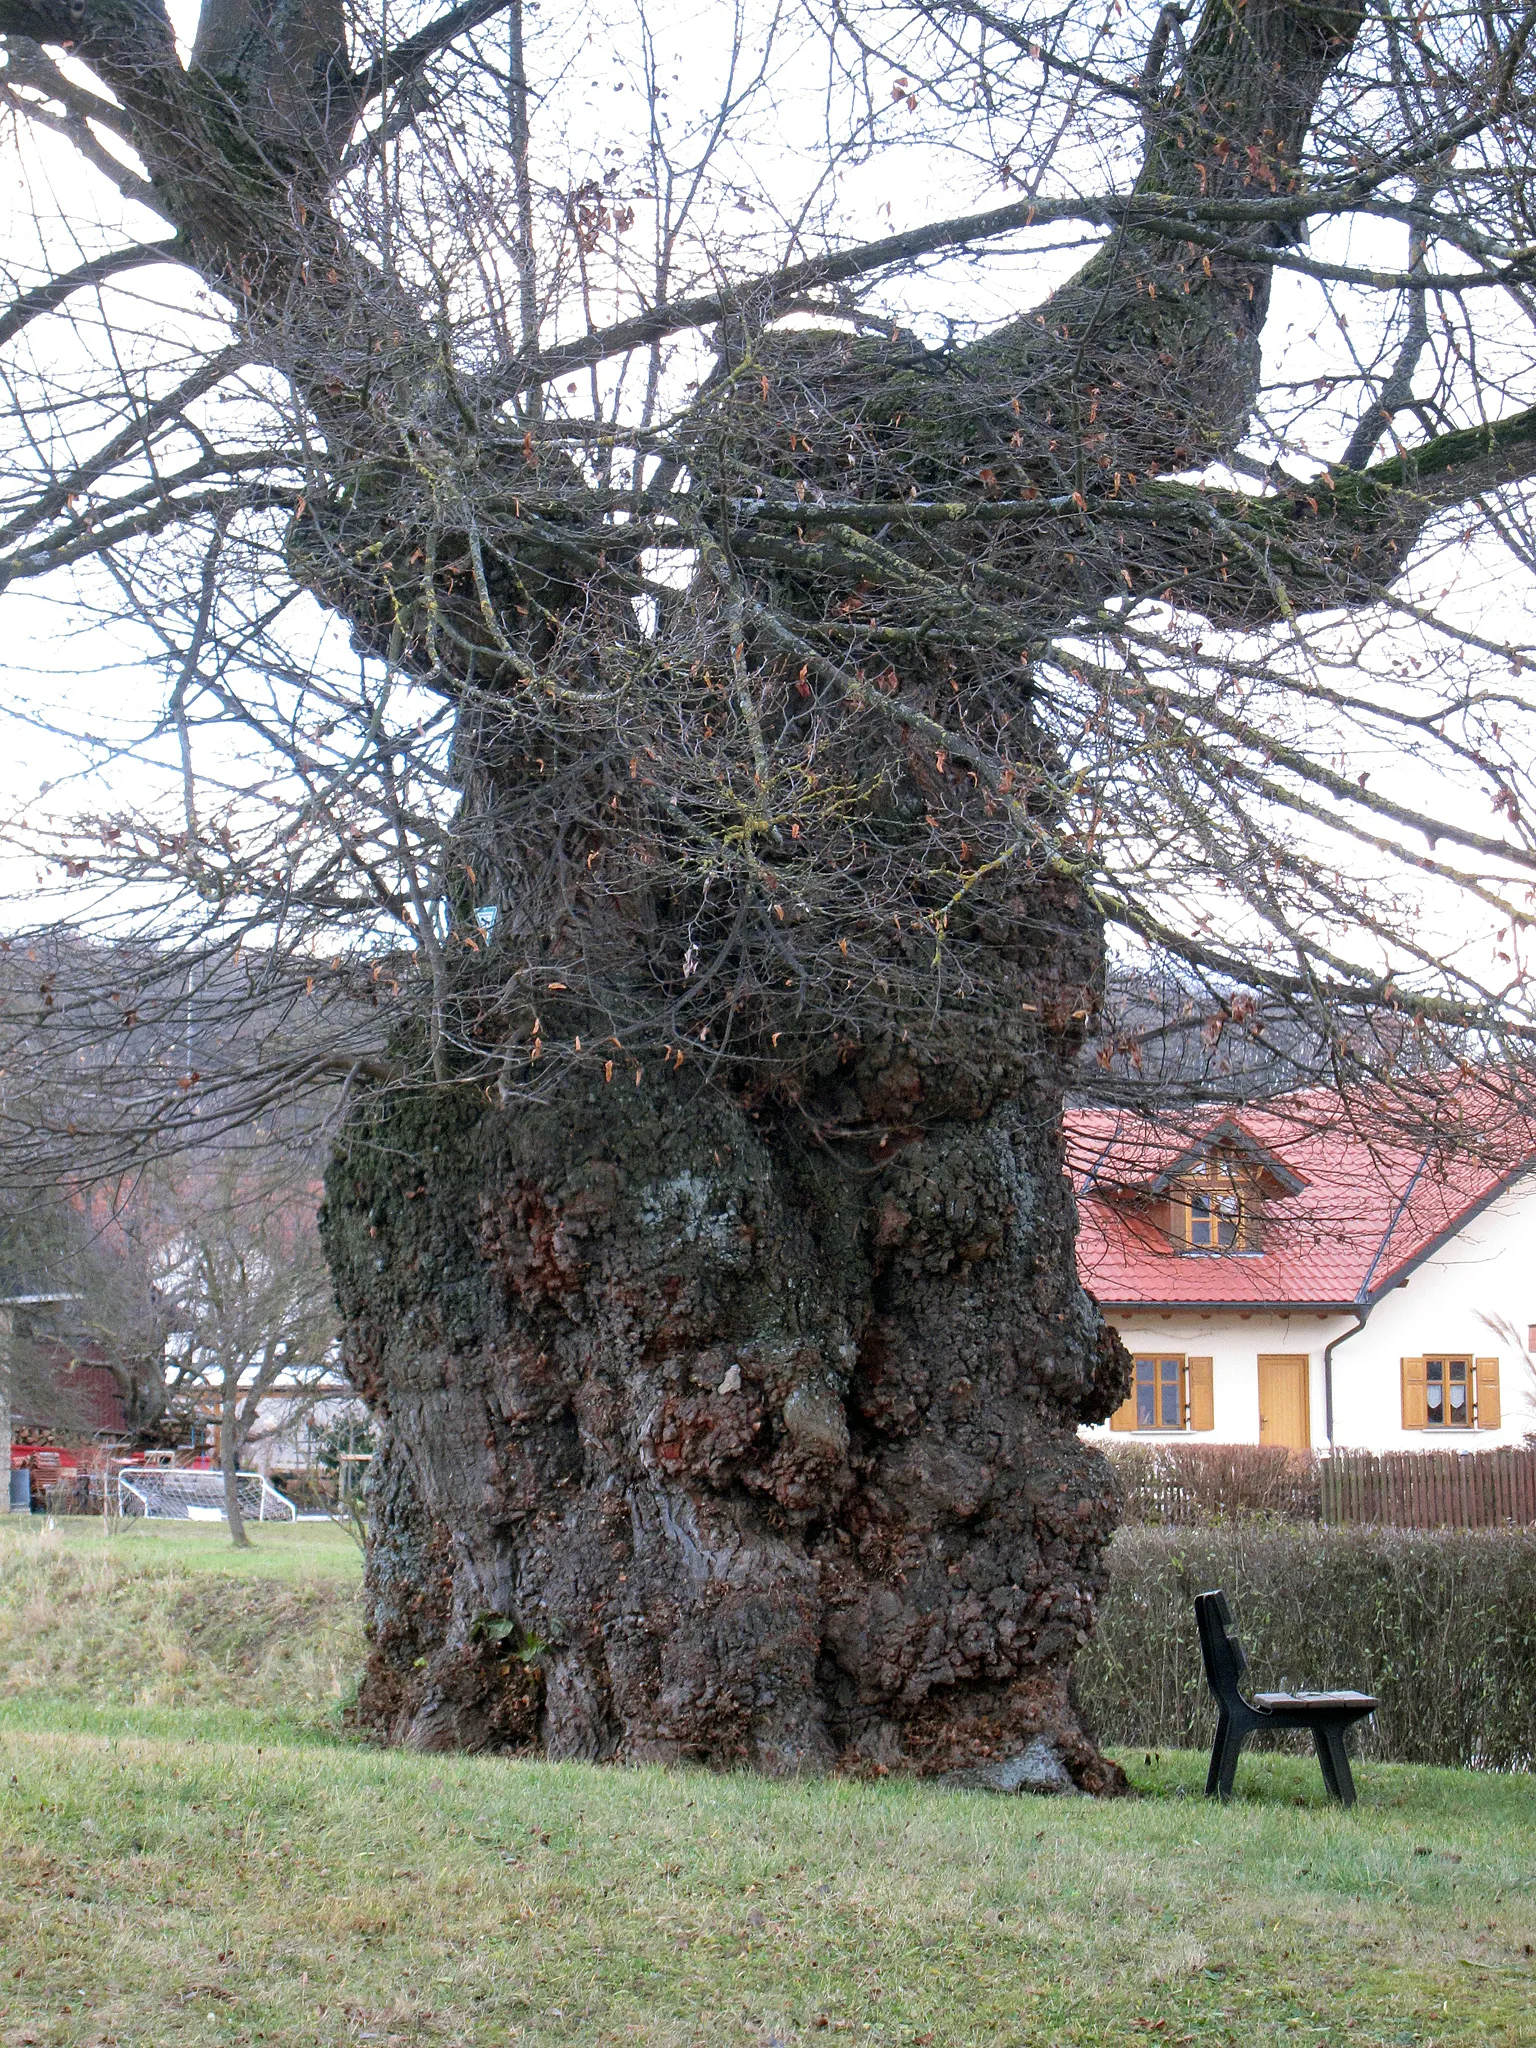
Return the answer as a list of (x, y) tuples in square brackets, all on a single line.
[(193, 1278), (250, 1299), (677, 648), (95, 1254)]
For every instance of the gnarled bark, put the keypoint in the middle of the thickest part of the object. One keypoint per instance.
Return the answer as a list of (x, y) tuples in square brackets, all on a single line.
[(706, 1440), (739, 1419)]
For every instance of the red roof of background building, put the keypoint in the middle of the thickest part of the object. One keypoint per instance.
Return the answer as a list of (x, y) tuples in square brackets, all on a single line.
[(1353, 1205)]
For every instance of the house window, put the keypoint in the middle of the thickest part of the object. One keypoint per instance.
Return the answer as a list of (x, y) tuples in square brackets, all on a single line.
[(1168, 1391), (1451, 1390), (1159, 1393), (1215, 1221), (1448, 1393), (1214, 1209)]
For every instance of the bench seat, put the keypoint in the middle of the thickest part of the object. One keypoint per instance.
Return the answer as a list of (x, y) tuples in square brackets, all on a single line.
[(1325, 1714), (1280, 1702)]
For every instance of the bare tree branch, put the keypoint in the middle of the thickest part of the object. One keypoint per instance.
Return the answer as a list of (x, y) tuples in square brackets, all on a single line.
[(400, 63), (49, 296)]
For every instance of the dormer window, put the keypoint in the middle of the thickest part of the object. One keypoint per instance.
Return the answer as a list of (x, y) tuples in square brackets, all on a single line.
[(1215, 1221), (1216, 1195), (1214, 1207)]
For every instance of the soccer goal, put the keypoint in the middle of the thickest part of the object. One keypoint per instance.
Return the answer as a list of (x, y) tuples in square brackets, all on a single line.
[(174, 1494)]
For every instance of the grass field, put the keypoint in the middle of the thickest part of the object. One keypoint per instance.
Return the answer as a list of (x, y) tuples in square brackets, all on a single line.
[(167, 1628), (299, 1552), (189, 1853)]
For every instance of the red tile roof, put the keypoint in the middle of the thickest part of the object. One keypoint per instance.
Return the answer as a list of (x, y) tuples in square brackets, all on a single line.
[(1352, 1205)]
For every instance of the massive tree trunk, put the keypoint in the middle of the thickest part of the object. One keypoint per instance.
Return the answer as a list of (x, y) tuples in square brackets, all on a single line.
[(706, 1440)]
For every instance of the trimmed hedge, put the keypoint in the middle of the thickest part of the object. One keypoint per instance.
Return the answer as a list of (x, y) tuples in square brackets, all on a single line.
[(1439, 1624)]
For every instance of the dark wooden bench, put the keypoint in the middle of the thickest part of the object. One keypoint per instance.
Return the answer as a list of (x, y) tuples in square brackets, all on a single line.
[(1326, 1714)]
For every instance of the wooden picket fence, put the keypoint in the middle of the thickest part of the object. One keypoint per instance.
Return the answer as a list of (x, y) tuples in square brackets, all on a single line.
[(1429, 1489), (1196, 1485)]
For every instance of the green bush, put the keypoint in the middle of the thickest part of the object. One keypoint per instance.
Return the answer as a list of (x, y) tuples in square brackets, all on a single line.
[(1439, 1624)]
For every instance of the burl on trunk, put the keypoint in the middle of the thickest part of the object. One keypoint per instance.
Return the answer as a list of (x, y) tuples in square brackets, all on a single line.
[(706, 1440)]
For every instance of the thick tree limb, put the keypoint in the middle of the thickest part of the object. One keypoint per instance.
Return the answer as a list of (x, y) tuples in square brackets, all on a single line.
[(1173, 219), (48, 297), (28, 64), (1339, 540), (76, 130), (395, 66), (1314, 535)]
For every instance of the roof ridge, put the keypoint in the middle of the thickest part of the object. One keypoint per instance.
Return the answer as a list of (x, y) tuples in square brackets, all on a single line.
[(1392, 1222)]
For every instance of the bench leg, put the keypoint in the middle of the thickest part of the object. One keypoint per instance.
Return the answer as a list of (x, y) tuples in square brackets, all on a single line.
[(1224, 1755), (1334, 1758)]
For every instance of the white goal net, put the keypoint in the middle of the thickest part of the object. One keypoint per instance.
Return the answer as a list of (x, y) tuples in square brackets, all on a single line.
[(172, 1493)]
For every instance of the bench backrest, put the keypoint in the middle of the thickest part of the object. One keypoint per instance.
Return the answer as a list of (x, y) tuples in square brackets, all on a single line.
[(1223, 1653)]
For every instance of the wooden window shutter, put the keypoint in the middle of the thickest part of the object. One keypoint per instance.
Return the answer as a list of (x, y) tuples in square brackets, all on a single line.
[(1201, 1393), (1487, 1413), (1415, 1404), (1124, 1416)]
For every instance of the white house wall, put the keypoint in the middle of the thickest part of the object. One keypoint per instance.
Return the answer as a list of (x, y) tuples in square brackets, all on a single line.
[(1232, 1340), (1477, 1296), (288, 1425)]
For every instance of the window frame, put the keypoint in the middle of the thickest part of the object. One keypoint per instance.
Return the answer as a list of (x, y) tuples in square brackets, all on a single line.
[(1444, 1362), (1222, 1185), (1484, 1408), (1196, 1395), (1158, 1385)]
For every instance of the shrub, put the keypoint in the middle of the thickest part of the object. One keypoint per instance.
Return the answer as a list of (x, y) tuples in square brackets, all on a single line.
[(1187, 1484), (1439, 1624)]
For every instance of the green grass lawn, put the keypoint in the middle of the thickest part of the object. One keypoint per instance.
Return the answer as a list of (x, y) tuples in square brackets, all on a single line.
[(166, 1628), (299, 1552), (194, 1855)]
